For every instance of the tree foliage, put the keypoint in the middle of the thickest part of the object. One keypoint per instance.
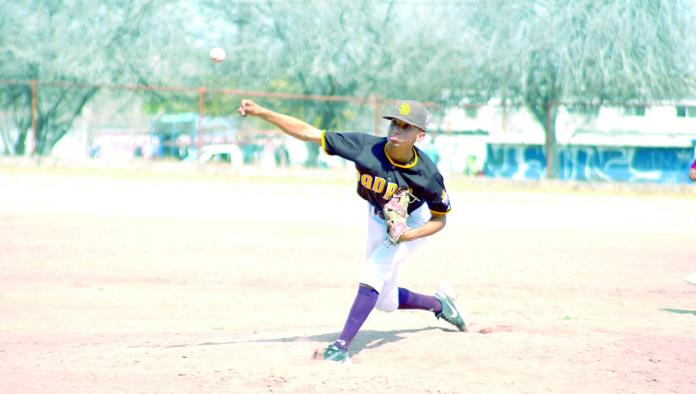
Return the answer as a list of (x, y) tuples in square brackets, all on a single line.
[(550, 51), (585, 49), (78, 42), (362, 49), (537, 53)]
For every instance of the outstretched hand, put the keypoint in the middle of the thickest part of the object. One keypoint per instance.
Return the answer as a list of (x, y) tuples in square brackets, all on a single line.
[(692, 174), (248, 107)]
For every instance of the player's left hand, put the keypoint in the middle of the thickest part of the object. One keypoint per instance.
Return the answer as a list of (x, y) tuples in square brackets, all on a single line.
[(692, 174)]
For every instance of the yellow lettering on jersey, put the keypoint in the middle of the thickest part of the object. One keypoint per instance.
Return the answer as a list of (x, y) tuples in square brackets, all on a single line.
[(391, 189), (378, 185), (366, 181)]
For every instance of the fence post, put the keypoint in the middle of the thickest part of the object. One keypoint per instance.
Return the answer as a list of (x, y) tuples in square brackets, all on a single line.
[(377, 101), (34, 113)]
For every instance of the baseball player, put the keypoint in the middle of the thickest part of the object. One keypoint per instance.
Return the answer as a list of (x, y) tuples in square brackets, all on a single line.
[(386, 166)]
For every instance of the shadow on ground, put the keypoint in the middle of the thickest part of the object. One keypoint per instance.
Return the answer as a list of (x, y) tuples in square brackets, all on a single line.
[(368, 339)]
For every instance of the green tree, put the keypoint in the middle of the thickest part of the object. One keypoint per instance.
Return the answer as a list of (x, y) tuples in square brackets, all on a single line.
[(80, 43), (385, 49), (545, 52)]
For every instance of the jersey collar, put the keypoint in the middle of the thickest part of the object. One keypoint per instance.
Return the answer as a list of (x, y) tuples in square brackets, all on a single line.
[(410, 164)]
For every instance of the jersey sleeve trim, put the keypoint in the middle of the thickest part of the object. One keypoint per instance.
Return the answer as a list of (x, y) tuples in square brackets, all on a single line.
[(440, 213), (323, 142)]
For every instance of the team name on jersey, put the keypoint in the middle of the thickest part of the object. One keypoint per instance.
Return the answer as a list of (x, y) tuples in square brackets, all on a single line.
[(378, 185)]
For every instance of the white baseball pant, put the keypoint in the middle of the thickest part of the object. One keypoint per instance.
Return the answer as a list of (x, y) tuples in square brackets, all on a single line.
[(381, 270)]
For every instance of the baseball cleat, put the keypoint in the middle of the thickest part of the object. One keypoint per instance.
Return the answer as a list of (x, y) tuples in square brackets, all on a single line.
[(450, 313), (333, 353), (691, 278)]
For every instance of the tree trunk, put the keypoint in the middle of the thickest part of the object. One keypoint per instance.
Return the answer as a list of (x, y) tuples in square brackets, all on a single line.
[(546, 114), (20, 144), (50, 130), (551, 145)]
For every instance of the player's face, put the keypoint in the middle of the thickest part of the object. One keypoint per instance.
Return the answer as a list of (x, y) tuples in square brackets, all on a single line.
[(404, 133)]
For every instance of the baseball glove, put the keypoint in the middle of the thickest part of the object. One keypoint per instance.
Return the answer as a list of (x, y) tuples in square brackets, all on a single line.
[(396, 213)]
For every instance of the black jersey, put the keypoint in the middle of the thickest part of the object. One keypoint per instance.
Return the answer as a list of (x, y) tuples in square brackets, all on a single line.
[(379, 176)]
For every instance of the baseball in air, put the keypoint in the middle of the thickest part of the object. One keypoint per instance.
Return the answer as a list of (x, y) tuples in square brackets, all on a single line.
[(217, 55)]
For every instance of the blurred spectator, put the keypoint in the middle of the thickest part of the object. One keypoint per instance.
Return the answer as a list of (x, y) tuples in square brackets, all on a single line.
[(282, 156), (250, 148)]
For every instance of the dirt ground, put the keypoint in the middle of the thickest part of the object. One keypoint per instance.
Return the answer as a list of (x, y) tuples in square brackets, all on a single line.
[(147, 281)]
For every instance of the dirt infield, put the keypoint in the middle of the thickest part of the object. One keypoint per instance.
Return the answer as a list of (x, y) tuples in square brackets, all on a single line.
[(142, 282)]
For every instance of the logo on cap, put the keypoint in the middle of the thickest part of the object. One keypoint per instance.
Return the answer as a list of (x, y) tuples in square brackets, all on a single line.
[(405, 108)]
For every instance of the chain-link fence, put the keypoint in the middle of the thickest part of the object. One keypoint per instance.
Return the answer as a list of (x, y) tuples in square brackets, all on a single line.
[(634, 142), (131, 121)]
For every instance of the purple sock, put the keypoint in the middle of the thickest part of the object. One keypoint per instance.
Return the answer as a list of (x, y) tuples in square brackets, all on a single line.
[(411, 300), (364, 302)]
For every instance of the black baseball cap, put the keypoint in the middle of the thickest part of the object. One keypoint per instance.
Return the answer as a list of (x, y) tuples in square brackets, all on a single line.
[(411, 112)]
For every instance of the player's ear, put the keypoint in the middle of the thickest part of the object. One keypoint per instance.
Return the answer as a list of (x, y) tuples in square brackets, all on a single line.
[(420, 136)]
